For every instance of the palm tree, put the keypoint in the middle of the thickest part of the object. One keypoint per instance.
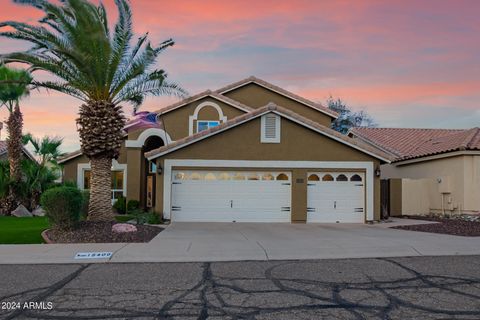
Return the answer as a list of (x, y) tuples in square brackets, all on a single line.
[(47, 149), (14, 87), (101, 68)]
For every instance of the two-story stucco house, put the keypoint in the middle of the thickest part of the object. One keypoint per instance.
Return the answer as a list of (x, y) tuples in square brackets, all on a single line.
[(248, 152)]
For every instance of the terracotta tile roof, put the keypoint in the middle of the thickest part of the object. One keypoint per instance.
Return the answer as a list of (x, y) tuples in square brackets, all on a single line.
[(408, 143), (280, 90), (258, 112), (203, 95)]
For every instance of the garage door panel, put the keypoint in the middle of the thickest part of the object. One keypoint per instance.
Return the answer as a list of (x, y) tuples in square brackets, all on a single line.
[(336, 201), (233, 199)]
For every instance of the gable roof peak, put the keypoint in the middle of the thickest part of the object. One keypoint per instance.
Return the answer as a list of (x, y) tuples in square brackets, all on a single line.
[(279, 90)]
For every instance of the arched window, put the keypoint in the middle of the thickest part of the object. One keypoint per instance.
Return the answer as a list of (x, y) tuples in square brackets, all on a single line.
[(210, 176), (253, 176), (313, 177), (238, 176), (268, 176), (196, 176), (327, 177), (342, 177), (181, 176), (224, 176), (282, 176), (356, 177)]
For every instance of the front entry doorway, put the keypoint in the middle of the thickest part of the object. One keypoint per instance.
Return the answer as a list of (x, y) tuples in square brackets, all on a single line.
[(149, 172)]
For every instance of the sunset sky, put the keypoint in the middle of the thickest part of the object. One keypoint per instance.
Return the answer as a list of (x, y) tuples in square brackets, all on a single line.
[(407, 63)]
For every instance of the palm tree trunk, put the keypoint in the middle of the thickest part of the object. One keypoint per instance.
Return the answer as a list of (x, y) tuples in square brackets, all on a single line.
[(14, 149), (100, 126), (100, 206)]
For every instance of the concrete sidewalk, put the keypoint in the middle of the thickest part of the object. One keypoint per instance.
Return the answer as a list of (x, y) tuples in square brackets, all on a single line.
[(187, 242)]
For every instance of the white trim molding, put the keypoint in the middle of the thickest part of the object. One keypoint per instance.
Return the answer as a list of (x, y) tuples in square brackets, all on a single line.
[(140, 141), (221, 117), (360, 165)]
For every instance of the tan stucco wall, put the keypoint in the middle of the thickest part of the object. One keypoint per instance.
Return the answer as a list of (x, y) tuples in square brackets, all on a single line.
[(297, 143), (70, 167), (256, 96), (460, 184), (395, 197), (176, 122)]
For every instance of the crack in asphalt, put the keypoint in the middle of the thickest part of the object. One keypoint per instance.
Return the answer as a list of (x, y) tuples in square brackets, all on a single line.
[(277, 290), (48, 291)]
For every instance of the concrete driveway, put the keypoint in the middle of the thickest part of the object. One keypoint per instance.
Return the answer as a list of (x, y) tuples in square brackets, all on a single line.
[(254, 241), (193, 242)]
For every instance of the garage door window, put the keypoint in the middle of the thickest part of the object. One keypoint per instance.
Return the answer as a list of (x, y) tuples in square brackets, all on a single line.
[(327, 177), (224, 176), (313, 177), (268, 177), (282, 176), (356, 177), (342, 177)]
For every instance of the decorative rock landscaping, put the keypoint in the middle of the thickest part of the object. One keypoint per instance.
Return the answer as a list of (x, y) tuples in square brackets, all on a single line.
[(103, 232), (21, 211), (468, 226)]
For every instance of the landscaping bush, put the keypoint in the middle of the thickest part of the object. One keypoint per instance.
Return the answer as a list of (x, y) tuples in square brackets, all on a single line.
[(120, 205), (133, 205), (153, 218), (62, 206)]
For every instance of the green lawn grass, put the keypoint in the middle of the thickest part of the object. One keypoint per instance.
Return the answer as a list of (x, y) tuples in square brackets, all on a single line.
[(15, 230)]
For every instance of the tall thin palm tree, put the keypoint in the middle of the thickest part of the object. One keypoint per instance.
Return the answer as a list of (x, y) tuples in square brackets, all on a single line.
[(13, 87), (101, 68)]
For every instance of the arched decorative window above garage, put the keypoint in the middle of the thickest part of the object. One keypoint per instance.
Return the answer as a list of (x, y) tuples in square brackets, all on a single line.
[(224, 176), (342, 177), (282, 176), (355, 177), (313, 177), (268, 177), (327, 177)]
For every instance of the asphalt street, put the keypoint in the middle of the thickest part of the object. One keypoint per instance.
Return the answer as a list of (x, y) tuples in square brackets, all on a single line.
[(386, 288)]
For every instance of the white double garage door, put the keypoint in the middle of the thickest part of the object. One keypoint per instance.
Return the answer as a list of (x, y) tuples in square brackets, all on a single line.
[(265, 196)]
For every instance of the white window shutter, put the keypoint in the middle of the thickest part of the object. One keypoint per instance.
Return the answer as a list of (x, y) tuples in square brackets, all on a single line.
[(270, 131)]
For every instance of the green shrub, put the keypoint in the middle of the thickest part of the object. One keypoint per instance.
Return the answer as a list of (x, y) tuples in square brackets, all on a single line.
[(133, 205), (62, 206), (153, 218), (120, 205)]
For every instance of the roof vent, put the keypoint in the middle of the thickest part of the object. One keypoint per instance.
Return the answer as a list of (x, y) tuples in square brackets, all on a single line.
[(270, 132)]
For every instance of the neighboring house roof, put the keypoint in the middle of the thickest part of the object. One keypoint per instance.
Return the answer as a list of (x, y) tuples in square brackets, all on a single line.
[(271, 107), (408, 143), (69, 156), (4, 150), (281, 91), (202, 95)]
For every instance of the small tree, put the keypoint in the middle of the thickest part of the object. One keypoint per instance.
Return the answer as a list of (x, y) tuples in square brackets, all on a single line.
[(347, 118), (13, 86)]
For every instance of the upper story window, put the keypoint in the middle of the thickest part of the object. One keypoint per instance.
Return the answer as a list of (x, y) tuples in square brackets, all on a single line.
[(205, 125), (270, 128)]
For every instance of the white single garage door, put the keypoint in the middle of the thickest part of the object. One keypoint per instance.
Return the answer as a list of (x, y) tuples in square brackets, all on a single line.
[(336, 197), (226, 196)]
